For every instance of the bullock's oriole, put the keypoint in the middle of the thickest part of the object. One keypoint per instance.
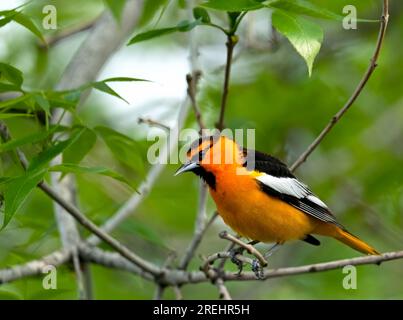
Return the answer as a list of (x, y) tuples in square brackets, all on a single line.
[(266, 203)]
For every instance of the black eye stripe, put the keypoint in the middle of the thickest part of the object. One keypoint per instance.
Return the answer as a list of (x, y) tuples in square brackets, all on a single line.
[(196, 144), (200, 155)]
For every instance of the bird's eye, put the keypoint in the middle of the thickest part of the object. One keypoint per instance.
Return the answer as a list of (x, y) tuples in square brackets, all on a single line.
[(201, 154)]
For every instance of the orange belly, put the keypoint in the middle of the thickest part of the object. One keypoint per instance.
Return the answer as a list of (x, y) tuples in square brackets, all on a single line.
[(257, 216)]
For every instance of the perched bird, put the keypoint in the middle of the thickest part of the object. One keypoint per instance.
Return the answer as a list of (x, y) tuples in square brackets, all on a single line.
[(266, 203)]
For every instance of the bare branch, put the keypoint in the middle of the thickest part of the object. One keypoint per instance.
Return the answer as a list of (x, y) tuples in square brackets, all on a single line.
[(231, 42), (34, 267), (159, 292), (192, 80), (177, 277), (371, 68), (56, 38), (222, 289), (153, 123), (249, 248), (89, 225)]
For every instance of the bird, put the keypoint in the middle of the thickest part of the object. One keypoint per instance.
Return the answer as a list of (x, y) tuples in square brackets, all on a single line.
[(259, 197)]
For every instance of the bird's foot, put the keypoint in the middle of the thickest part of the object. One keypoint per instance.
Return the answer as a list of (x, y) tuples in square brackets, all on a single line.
[(257, 269), (233, 254)]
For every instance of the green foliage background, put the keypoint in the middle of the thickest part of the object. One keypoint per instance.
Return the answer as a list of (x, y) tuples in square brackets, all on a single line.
[(357, 169)]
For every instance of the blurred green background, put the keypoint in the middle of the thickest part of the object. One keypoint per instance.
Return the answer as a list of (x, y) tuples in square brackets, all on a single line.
[(357, 170)]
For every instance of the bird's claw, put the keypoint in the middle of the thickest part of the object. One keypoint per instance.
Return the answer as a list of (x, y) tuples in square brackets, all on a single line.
[(257, 269), (233, 253)]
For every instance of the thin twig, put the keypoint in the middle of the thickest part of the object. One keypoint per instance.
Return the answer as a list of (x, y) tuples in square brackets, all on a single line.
[(159, 292), (53, 39), (231, 42), (230, 246), (371, 68), (176, 277), (153, 123), (192, 80), (222, 290), (177, 292), (81, 286), (222, 255), (160, 289), (249, 248), (89, 225)]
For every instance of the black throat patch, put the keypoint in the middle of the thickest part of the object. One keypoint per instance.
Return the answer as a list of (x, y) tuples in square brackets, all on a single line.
[(207, 176)]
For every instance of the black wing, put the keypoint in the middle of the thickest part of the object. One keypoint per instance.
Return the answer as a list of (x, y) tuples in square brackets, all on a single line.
[(281, 183)]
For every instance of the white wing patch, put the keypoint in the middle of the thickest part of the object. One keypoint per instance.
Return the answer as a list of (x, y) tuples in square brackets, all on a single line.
[(291, 187)]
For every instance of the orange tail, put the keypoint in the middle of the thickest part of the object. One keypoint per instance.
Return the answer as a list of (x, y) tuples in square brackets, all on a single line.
[(355, 243)]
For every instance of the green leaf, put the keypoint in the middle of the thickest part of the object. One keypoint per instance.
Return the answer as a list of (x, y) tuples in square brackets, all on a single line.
[(124, 79), (123, 147), (151, 35), (14, 115), (42, 159), (11, 75), (200, 13), (6, 87), (150, 8), (102, 86), (15, 101), (302, 7), (304, 35), (26, 22), (79, 149), (74, 168), (4, 180), (232, 5), (42, 102), (30, 139), (116, 7), (183, 26), (17, 191), (7, 16)]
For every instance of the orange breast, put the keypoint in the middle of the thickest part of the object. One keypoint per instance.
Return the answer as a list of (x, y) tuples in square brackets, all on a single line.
[(255, 215)]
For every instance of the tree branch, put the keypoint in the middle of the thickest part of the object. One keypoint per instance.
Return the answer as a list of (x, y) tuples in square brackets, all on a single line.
[(56, 38), (34, 267), (192, 80), (222, 289), (371, 68), (231, 42), (153, 123), (249, 248), (177, 277), (89, 225)]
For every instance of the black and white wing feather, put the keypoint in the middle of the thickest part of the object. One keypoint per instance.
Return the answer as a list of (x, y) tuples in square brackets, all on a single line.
[(278, 181)]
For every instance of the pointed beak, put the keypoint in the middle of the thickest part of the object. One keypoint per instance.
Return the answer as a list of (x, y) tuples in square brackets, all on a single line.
[(188, 166)]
